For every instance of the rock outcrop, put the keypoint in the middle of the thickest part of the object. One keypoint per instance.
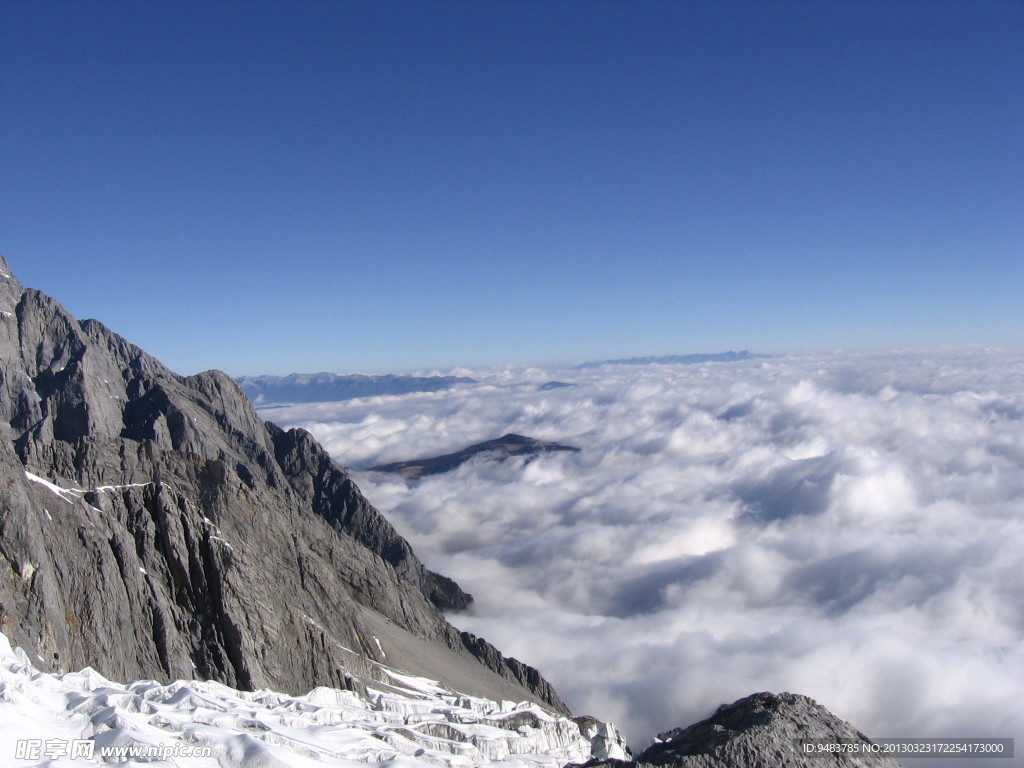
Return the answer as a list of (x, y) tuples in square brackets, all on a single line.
[(764, 730), (151, 525)]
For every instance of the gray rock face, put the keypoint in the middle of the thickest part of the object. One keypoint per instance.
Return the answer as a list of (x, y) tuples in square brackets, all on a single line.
[(764, 730), (151, 525)]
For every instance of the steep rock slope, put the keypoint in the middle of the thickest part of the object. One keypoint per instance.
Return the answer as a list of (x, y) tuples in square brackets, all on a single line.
[(151, 525)]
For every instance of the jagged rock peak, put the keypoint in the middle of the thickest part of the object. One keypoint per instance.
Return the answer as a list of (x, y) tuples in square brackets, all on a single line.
[(763, 730)]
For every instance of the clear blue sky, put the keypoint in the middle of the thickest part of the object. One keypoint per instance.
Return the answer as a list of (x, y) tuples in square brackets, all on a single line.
[(267, 187)]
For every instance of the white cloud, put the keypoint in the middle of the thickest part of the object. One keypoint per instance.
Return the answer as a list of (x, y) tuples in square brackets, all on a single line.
[(848, 526)]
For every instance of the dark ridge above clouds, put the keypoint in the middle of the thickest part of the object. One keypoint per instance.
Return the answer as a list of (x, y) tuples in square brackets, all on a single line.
[(332, 387), (502, 448), (548, 386), (716, 357)]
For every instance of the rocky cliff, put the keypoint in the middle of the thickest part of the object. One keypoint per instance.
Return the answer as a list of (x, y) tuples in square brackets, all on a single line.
[(151, 525)]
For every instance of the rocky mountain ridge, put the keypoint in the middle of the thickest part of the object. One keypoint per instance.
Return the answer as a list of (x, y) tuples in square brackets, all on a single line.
[(153, 526)]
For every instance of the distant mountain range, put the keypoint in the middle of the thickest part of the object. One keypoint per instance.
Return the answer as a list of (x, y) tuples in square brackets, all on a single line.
[(503, 447), (332, 387), (719, 357)]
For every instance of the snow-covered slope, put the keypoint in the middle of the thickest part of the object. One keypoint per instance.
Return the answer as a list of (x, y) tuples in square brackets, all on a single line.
[(83, 718)]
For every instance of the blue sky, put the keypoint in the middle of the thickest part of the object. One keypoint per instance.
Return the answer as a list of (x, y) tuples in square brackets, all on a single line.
[(268, 187)]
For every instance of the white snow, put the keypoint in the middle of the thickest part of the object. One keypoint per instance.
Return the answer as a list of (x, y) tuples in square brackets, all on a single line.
[(111, 488), (70, 495), (411, 723), (56, 488)]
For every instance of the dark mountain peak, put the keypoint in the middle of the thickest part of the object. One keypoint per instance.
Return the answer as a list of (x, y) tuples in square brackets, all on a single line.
[(5, 271), (549, 385), (503, 447), (760, 729)]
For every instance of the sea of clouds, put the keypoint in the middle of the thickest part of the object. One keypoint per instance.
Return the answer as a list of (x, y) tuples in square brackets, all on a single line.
[(849, 526)]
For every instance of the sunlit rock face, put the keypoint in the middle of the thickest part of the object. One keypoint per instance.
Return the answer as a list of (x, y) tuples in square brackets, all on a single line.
[(154, 526)]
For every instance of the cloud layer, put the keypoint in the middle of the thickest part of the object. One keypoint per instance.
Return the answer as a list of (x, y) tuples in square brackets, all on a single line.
[(847, 526)]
